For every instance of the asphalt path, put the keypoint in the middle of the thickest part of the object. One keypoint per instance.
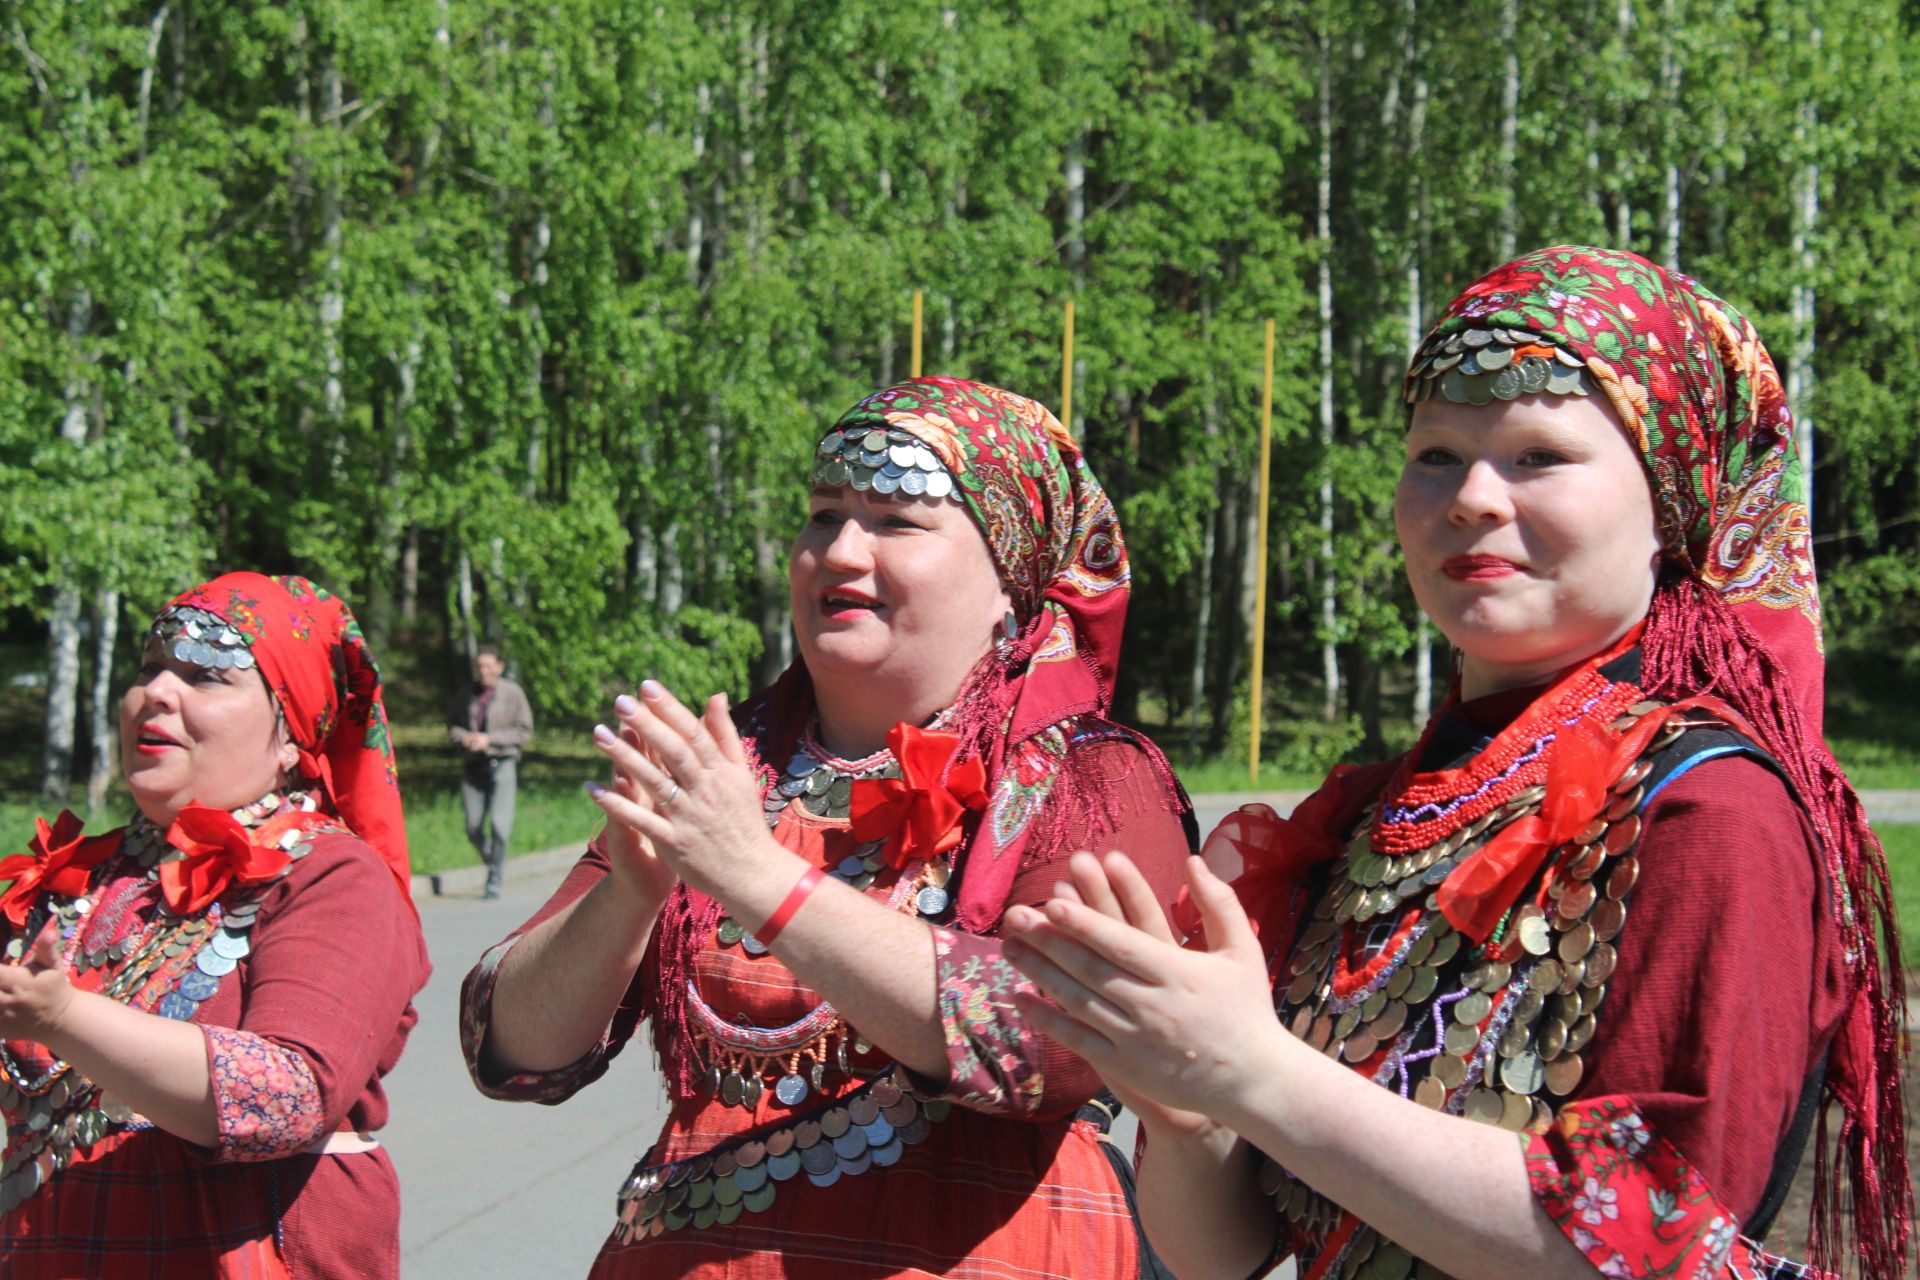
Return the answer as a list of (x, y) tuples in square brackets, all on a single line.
[(496, 1189)]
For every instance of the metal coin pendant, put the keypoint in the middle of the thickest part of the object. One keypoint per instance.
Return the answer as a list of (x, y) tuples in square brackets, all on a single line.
[(791, 1090)]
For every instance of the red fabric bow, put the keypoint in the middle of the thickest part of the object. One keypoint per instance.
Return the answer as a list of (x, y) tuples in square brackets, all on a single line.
[(219, 853), (1586, 761), (922, 812), (59, 860)]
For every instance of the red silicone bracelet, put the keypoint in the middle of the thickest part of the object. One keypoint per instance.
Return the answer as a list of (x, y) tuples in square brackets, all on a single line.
[(784, 913)]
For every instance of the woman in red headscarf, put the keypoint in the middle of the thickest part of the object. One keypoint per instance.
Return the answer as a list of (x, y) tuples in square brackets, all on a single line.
[(197, 1008), (803, 901), (1564, 989)]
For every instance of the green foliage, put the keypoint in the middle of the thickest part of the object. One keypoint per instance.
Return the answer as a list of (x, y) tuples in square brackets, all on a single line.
[(514, 322)]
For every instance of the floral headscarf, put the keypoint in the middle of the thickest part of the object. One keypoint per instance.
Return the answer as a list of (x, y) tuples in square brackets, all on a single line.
[(311, 652), (1701, 400)]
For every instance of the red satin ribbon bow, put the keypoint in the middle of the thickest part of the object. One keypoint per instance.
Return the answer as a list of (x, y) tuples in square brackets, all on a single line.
[(59, 860), (220, 852), (922, 813), (1580, 773)]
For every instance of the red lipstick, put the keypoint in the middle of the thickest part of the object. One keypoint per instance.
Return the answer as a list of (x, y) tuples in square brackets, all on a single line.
[(842, 604), (1478, 568), (152, 741)]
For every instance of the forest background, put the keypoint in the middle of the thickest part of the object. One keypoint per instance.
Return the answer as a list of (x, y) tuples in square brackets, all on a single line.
[(516, 321)]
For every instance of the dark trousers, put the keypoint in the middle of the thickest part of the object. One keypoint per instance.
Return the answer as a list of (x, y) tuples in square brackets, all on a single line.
[(487, 793)]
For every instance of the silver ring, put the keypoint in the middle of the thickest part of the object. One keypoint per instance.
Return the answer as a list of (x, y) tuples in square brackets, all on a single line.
[(668, 798)]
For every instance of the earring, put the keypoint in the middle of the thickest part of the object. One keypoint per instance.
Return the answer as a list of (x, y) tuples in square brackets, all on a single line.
[(1009, 626)]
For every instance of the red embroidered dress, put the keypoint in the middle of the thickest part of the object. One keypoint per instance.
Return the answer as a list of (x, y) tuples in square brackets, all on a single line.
[(987, 1173)]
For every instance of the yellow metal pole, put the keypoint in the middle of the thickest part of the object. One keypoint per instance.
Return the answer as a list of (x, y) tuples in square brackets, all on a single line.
[(1066, 370), (916, 333), (1260, 564)]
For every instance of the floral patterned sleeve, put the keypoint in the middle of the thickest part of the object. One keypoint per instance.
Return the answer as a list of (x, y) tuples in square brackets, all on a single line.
[(265, 1096), (1633, 1204), (996, 1062), (476, 1008)]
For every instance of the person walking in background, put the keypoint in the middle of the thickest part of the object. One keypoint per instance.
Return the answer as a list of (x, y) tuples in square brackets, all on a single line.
[(493, 721)]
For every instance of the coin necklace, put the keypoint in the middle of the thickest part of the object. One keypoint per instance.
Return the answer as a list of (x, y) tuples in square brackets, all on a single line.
[(167, 965), (740, 1059), (1490, 1033)]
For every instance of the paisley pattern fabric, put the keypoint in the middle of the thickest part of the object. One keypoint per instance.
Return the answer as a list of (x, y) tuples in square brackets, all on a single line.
[(267, 1099), (310, 649), (1700, 397)]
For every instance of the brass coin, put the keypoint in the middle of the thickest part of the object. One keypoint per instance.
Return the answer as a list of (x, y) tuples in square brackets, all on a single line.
[(1461, 1038), (1542, 1117), (1349, 904), (1514, 1040), (863, 1111), (1424, 981), (902, 1113), (1566, 1008), (1484, 1106), (1444, 948), (1494, 976), (1302, 1023), (1421, 948), (1389, 1023), (1304, 959), (1575, 971), (1625, 804), (836, 1122), (1317, 934), (1622, 834), (1587, 861), (1600, 962), (1642, 707), (1575, 899), (1473, 1010), (1430, 1093), (1608, 915), (1535, 936), (1302, 987), (1550, 1039), (1528, 1008), (1322, 1031), (886, 1092), (1563, 1074), (1523, 1073), (1390, 1262), (699, 1194), (724, 1164), (1344, 1024), (1402, 979), (1626, 873), (1591, 832), (805, 1134), (1576, 942), (726, 1191), (1450, 1070), (1374, 1005), (1545, 977), (1590, 998), (1636, 774), (749, 1154), (1580, 1032), (1270, 1178), (1516, 1111), (1359, 1047)]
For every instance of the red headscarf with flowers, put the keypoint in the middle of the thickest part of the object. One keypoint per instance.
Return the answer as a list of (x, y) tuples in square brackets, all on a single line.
[(310, 650), (1737, 615)]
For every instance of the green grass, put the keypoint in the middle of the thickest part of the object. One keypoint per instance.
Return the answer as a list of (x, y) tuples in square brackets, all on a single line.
[(1231, 775), (1902, 844)]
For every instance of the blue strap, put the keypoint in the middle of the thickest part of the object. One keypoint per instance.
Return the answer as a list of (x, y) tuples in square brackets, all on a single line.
[(1728, 749)]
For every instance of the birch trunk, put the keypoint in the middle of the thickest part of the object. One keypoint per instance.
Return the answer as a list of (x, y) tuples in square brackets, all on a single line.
[(1416, 314), (1623, 207), (101, 754), (1076, 175), (1806, 217), (1323, 236), (1670, 184), (147, 69), (333, 400), (1509, 128)]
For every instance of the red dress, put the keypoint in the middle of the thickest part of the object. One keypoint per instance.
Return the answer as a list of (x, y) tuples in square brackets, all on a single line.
[(989, 1173), (1653, 1035), (299, 1031)]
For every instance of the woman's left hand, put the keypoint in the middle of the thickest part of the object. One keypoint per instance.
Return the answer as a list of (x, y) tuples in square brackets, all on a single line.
[(706, 821), (35, 994), (1185, 1028)]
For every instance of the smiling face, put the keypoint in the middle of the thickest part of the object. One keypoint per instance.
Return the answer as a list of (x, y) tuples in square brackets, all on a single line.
[(198, 734), (894, 598), (1529, 533)]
